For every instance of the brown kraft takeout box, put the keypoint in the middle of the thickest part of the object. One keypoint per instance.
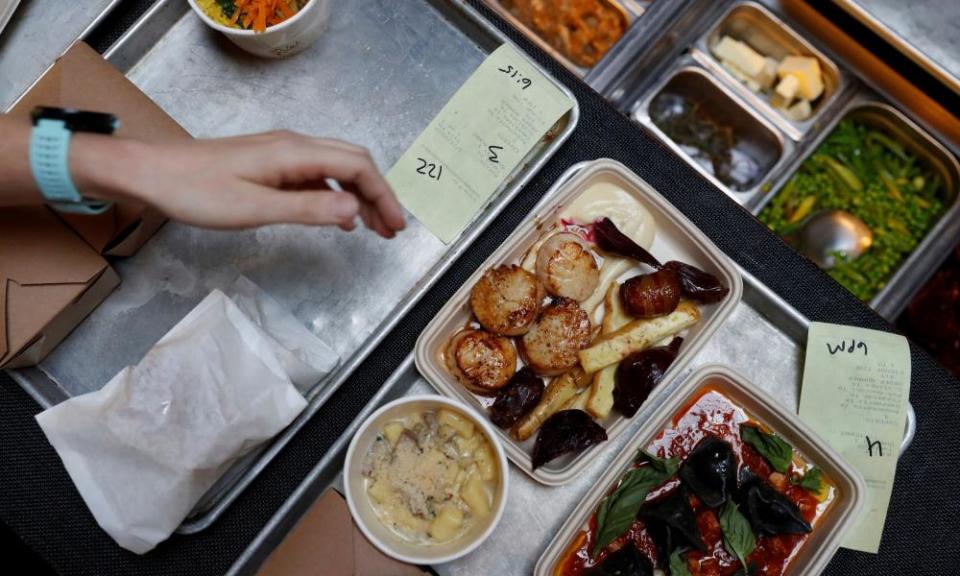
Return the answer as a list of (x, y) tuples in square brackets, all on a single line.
[(82, 79), (52, 274), (50, 280), (326, 542)]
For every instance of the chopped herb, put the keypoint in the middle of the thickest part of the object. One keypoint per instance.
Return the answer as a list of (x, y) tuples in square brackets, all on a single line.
[(668, 466), (618, 510), (227, 6), (777, 452), (738, 537), (812, 480), (678, 564)]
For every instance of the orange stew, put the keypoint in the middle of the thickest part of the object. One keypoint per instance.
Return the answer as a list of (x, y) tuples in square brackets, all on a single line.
[(711, 413), (582, 30)]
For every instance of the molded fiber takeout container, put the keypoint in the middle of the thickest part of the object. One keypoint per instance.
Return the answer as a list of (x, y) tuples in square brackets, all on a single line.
[(677, 239), (830, 528)]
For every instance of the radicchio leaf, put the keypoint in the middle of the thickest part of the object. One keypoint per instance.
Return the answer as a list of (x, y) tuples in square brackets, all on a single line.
[(697, 284), (610, 239)]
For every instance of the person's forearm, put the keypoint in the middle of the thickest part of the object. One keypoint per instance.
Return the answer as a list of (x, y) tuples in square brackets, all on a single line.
[(17, 186), (94, 160), (238, 182)]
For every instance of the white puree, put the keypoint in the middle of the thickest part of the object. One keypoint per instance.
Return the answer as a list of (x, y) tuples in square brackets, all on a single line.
[(606, 199)]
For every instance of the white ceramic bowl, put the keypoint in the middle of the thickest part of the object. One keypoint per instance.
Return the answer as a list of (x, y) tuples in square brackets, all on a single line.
[(359, 502), (284, 39)]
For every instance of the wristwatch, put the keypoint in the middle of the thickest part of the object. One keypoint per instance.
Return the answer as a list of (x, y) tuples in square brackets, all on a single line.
[(50, 155)]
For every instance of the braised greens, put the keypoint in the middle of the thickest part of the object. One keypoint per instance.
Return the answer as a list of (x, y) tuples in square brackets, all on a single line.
[(863, 171)]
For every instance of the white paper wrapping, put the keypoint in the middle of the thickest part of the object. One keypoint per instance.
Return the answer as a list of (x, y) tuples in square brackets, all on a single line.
[(305, 358), (146, 447)]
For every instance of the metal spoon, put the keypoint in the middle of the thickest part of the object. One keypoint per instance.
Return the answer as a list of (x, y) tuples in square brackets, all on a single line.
[(828, 233)]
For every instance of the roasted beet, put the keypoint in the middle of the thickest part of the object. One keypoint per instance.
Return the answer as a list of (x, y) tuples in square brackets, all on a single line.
[(639, 373), (769, 511), (566, 431), (651, 295), (518, 397), (627, 561), (697, 284), (610, 239), (710, 470)]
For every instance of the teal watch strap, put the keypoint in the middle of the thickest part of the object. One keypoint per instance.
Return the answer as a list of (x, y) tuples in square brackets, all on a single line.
[(50, 164)]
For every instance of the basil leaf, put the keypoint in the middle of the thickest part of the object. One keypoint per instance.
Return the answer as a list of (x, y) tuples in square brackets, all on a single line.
[(738, 537), (667, 466), (678, 565), (812, 480), (618, 510), (777, 452)]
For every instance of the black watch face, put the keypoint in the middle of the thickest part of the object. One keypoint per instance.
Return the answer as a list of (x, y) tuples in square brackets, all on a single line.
[(77, 120)]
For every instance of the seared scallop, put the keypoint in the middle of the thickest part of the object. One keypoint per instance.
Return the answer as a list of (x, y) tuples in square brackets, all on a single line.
[(506, 300), (567, 268), (550, 347), (481, 361)]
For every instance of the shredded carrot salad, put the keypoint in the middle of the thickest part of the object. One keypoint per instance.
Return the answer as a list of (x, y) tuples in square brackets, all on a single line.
[(255, 15)]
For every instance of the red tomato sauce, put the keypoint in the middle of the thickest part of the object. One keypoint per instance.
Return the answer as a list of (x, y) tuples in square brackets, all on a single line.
[(709, 413)]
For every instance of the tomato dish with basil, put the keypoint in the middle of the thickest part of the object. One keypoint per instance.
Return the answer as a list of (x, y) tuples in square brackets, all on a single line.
[(716, 494)]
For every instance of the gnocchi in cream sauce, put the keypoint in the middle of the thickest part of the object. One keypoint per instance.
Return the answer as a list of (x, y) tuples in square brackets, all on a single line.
[(430, 476)]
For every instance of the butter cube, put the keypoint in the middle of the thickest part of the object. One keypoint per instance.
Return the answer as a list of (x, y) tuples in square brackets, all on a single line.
[(786, 91), (735, 70), (807, 72), (740, 55), (769, 74), (799, 111)]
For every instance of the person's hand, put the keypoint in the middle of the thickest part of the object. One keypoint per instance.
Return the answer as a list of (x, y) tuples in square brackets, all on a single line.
[(241, 182)]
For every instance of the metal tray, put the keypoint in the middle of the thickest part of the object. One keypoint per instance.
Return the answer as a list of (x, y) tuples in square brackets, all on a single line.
[(761, 139), (677, 239), (39, 32), (631, 9), (831, 526), (632, 86), (761, 29), (352, 285), (762, 327)]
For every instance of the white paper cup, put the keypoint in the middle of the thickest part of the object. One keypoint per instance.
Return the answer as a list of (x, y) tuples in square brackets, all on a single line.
[(359, 503), (284, 39)]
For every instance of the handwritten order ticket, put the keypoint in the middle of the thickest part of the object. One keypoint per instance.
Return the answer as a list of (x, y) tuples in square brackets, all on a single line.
[(479, 138), (856, 386)]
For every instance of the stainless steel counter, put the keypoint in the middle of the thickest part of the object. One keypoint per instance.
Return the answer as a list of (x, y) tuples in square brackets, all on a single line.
[(377, 77), (38, 33)]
